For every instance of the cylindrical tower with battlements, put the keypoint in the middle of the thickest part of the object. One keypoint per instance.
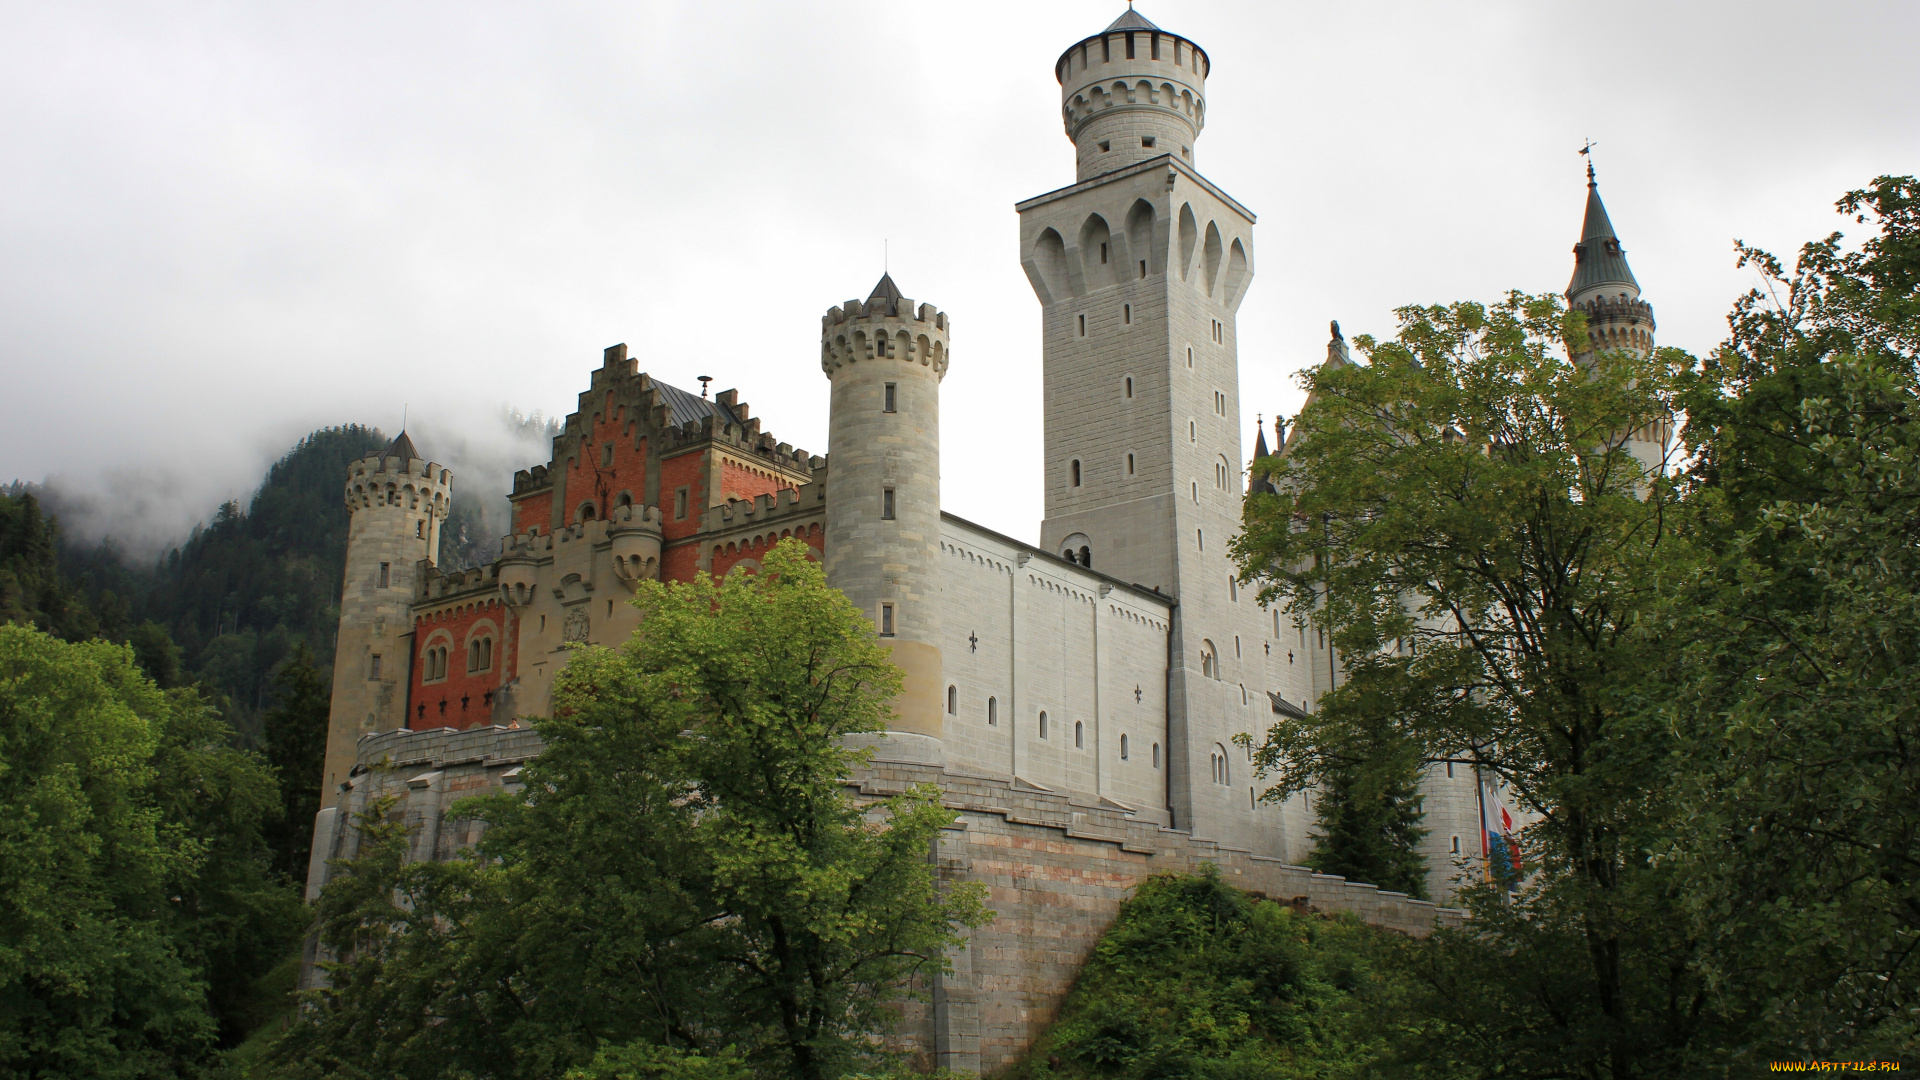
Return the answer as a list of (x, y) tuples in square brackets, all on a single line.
[(398, 501), (886, 359), (1131, 93)]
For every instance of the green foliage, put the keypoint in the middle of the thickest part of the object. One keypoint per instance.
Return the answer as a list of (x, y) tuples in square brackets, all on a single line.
[(296, 743), (32, 591), (247, 586), (1470, 490), (1196, 979), (134, 891), (1797, 837), (684, 868), (646, 1061)]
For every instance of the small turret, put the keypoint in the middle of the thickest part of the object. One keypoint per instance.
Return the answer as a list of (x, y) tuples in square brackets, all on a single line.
[(886, 358), (1131, 93), (398, 501), (1604, 287)]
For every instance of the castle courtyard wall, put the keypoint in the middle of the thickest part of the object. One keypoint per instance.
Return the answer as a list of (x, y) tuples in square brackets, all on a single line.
[(1056, 867)]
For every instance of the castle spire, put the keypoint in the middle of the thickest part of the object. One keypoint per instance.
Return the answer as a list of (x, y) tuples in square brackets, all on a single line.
[(1599, 262)]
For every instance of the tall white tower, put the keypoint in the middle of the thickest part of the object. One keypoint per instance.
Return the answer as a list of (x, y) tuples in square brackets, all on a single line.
[(1140, 266), (886, 358), (399, 501)]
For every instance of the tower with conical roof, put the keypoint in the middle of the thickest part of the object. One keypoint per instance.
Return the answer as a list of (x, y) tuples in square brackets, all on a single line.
[(1140, 266), (398, 501), (1604, 289), (885, 358)]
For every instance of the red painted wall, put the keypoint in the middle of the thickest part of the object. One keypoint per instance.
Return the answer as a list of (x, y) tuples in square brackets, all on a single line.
[(462, 699)]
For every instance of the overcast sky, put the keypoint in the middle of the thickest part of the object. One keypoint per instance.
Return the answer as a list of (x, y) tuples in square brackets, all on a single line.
[(222, 225)]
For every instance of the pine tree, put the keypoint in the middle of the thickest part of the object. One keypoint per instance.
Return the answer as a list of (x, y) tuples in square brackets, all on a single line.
[(296, 737)]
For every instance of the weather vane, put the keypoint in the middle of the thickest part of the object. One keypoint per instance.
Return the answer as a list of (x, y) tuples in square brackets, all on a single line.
[(1587, 152), (704, 380)]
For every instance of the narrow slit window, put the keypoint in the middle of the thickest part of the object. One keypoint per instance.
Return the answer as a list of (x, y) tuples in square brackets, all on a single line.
[(953, 700), (385, 570), (1079, 735), (1083, 326), (1143, 268), (1449, 770), (373, 672), (1126, 314), (1043, 723), (1453, 845), (1200, 538), (993, 712), (886, 620), (1103, 254), (886, 504), (1156, 755), (606, 456), (420, 528), (680, 504), (1129, 386), (1189, 358), (1075, 468), (893, 398), (1123, 748), (1129, 464)]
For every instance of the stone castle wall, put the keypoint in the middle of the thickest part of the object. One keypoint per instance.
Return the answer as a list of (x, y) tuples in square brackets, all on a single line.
[(1056, 867)]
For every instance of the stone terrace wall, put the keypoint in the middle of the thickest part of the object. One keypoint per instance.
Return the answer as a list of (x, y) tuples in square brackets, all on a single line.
[(1056, 870)]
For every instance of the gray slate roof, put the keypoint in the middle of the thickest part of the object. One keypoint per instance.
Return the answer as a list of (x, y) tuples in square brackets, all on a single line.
[(401, 447), (885, 289), (1132, 20), (682, 406), (1599, 260)]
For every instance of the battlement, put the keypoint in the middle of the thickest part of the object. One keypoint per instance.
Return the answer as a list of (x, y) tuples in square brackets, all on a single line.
[(880, 328), (763, 509), (407, 483), (529, 481), (1617, 308), (433, 585)]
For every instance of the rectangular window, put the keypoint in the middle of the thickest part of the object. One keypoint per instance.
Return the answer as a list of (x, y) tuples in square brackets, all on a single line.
[(893, 398), (1103, 254), (1129, 464), (1143, 268), (1189, 358), (373, 671), (1147, 141), (383, 575), (886, 620), (886, 504), (680, 504), (1126, 314), (420, 528), (1129, 44), (606, 456), (1449, 770)]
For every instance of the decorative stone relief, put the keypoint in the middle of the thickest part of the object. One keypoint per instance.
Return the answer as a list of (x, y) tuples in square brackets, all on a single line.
[(577, 625)]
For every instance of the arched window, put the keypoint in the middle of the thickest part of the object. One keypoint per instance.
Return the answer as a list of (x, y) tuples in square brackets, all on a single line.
[(1075, 468), (1043, 723), (1079, 735), (1129, 386), (1129, 464), (1156, 755), (953, 700), (1209, 661), (993, 712), (1123, 748), (473, 656), (586, 512)]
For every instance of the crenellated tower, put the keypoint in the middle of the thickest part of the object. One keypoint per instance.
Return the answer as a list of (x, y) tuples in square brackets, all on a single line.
[(885, 358), (1132, 93), (1140, 267), (398, 501), (1604, 288)]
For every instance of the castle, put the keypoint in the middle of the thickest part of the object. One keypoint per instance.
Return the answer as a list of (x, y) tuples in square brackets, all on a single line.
[(1076, 700)]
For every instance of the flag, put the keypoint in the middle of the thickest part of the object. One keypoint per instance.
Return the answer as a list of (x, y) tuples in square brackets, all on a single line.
[(1497, 843)]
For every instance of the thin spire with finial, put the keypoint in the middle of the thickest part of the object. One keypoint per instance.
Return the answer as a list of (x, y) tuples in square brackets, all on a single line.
[(1587, 152)]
